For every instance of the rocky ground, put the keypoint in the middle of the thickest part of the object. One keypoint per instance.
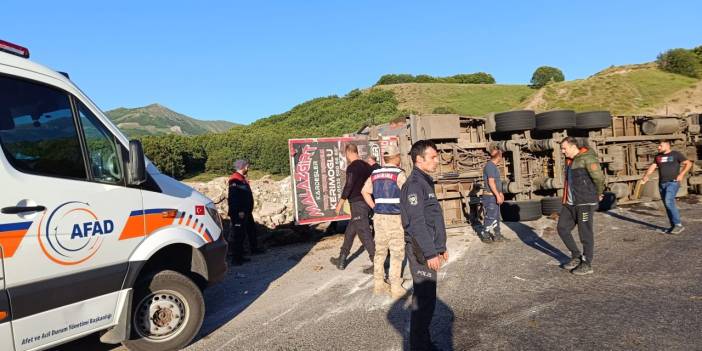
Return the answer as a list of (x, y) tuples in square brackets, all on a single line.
[(646, 294)]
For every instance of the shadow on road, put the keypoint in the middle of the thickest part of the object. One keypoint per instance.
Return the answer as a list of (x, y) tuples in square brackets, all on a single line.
[(632, 220), (527, 235), (244, 284), (441, 325)]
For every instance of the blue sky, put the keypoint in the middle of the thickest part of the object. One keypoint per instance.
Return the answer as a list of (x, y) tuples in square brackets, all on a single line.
[(241, 61)]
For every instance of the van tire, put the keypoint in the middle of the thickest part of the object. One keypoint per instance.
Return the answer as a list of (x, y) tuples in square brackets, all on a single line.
[(555, 120), (514, 121), (593, 120), (521, 211), (181, 296)]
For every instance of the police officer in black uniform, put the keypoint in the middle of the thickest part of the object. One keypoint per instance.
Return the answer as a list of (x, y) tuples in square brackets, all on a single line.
[(425, 238)]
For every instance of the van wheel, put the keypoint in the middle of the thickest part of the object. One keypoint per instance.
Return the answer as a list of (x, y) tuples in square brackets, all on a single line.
[(167, 312)]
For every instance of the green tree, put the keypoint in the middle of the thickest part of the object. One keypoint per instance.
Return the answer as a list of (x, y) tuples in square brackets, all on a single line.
[(680, 61), (473, 78), (698, 52), (546, 74), (395, 79)]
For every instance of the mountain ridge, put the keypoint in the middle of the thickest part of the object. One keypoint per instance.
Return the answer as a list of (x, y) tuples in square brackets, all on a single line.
[(157, 119)]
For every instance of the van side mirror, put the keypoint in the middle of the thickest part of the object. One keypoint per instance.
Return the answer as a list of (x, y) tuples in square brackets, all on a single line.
[(137, 165)]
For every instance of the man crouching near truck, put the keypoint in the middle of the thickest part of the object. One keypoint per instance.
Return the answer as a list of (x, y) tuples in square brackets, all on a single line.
[(382, 194), (584, 184)]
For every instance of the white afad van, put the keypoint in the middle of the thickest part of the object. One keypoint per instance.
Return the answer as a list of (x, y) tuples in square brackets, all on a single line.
[(93, 237)]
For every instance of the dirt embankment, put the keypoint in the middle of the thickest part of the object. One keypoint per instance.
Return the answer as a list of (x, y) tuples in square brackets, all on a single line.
[(682, 103)]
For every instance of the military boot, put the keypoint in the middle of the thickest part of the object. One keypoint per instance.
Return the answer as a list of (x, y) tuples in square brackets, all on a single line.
[(397, 291), (380, 287)]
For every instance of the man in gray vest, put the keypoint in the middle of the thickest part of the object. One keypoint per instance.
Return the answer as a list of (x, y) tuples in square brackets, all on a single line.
[(382, 193)]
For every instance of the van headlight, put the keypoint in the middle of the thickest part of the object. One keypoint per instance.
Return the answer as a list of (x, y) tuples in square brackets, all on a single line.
[(214, 214)]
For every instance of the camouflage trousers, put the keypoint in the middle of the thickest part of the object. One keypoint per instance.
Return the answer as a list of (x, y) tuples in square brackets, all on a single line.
[(389, 236)]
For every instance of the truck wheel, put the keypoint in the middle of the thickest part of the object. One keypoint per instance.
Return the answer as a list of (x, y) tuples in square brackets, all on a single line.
[(167, 312), (520, 211), (551, 205), (593, 120), (513, 121), (554, 120)]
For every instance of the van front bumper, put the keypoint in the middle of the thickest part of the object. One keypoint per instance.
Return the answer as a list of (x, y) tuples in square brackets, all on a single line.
[(215, 254)]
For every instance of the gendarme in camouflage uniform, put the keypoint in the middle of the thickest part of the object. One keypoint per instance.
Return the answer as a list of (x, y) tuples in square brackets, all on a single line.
[(384, 186)]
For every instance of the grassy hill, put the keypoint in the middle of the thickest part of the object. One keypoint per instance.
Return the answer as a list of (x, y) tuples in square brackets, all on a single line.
[(466, 99), (632, 89), (624, 90), (156, 119)]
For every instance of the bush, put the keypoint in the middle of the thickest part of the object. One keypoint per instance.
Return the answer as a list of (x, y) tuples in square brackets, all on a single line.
[(680, 61), (472, 78), (475, 78), (546, 74), (395, 79), (265, 142), (698, 52), (444, 110)]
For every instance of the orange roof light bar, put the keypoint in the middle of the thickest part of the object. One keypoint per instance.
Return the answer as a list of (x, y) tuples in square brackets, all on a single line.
[(14, 49)]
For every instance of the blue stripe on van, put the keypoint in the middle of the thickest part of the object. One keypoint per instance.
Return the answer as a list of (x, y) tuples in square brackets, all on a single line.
[(15, 226)]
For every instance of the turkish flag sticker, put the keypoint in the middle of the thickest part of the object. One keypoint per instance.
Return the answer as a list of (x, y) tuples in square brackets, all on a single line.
[(199, 210)]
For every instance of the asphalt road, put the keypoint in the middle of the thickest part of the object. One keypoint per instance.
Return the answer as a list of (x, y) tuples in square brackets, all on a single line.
[(646, 294)]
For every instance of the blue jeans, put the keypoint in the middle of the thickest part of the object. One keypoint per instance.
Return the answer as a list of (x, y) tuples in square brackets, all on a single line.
[(668, 191)]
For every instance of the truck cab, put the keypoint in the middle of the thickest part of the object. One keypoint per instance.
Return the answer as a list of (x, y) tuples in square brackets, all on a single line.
[(92, 236)]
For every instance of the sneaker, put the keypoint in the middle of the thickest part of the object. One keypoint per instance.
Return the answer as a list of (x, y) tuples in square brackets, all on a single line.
[(340, 262), (369, 270), (677, 229), (498, 238), (573, 263), (583, 269), (485, 238), (664, 230)]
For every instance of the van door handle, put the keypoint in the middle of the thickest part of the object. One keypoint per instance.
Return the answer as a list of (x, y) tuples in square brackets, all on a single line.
[(22, 209)]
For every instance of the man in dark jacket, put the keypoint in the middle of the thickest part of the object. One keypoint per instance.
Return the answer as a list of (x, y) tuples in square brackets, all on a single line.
[(241, 204), (357, 171), (425, 238), (584, 184)]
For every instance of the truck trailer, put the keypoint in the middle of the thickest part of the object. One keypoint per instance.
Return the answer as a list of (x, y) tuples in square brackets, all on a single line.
[(532, 171)]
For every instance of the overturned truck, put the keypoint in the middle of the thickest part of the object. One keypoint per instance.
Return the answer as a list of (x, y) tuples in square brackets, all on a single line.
[(533, 169)]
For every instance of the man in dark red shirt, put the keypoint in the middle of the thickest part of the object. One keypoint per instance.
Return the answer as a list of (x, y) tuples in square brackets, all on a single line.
[(241, 203), (357, 172)]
